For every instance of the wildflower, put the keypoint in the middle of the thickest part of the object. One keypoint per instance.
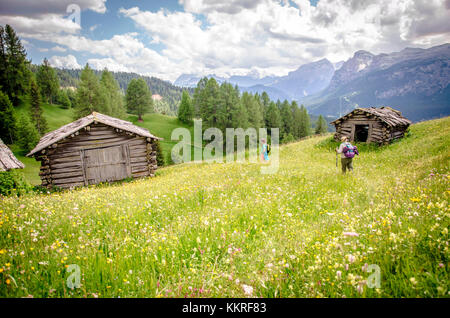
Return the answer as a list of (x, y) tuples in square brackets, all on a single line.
[(350, 234), (413, 280), (248, 290), (8, 281), (338, 274)]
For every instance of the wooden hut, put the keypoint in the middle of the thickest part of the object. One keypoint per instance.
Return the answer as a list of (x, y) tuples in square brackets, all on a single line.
[(7, 159), (96, 148), (378, 125)]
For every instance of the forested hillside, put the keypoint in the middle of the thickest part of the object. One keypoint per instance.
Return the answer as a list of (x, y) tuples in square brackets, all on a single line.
[(171, 94)]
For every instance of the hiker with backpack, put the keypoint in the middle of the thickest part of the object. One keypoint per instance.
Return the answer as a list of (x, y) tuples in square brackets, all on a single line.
[(348, 152), (265, 150)]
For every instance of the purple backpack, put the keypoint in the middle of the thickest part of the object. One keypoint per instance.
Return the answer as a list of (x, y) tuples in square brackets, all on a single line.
[(350, 151)]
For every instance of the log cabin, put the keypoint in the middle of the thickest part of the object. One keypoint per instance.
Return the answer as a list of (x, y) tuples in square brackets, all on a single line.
[(7, 159), (94, 149), (377, 125)]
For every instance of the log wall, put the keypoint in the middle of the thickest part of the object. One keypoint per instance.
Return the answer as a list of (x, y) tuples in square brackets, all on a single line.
[(62, 164)]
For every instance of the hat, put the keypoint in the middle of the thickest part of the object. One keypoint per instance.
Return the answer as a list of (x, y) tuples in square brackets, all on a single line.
[(344, 138)]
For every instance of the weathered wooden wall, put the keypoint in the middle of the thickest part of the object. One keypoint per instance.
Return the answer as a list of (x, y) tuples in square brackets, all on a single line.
[(64, 163)]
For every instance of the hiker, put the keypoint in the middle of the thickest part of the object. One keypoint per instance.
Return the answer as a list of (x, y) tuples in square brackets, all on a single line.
[(264, 150), (347, 152)]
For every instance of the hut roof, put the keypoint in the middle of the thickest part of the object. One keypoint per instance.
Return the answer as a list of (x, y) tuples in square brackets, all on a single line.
[(67, 130), (7, 159), (388, 115)]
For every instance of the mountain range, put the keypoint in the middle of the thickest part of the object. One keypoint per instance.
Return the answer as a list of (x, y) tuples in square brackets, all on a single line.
[(414, 81)]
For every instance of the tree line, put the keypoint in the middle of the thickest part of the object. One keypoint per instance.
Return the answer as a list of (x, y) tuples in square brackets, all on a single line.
[(223, 106)]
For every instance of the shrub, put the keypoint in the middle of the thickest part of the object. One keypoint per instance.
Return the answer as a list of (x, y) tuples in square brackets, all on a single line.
[(13, 182)]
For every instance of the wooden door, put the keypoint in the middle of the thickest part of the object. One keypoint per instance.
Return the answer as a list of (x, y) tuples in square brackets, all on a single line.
[(106, 164)]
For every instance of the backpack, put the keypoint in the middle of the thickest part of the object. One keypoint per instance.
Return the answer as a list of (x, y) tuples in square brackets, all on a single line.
[(350, 151), (268, 149)]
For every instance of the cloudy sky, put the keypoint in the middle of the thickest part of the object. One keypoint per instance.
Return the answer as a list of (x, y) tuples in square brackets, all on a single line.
[(167, 38)]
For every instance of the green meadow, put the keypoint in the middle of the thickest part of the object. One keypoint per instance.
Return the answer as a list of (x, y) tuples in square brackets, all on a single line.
[(227, 230)]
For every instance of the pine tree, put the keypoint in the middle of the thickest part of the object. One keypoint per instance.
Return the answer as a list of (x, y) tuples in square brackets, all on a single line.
[(298, 118), (28, 136), (113, 94), (273, 116), (7, 119), (91, 96), (48, 81), (287, 118), (254, 110), (321, 125), (14, 70), (139, 98), (208, 103), (199, 98), (37, 115), (186, 110), (304, 123), (62, 99)]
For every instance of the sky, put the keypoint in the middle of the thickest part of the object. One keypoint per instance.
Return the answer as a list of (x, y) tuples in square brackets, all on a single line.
[(167, 38)]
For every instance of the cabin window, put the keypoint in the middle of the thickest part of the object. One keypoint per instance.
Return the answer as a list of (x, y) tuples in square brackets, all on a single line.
[(361, 133)]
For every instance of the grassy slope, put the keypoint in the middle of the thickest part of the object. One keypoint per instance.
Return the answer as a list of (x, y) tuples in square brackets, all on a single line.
[(205, 230), (56, 116)]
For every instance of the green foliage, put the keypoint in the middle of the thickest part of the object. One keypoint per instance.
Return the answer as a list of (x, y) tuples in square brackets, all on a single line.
[(28, 136), (186, 110), (273, 117), (321, 125), (287, 118), (36, 111), (159, 154), (12, 182), (14, 72), (253, 107), (114, 96), (171, 95), (7, 119), (139, 98), (48, 81), (91, 96), (62, 98), (287, 138)]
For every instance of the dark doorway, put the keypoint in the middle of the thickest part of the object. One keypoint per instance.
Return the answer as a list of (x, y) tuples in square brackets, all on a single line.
[(361, 133)]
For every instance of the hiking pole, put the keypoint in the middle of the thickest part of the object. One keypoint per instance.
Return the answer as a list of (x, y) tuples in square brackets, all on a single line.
[(336, 160)]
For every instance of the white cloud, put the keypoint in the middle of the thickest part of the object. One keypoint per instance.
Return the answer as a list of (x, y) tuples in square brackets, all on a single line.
[(241, 36), (45, 7), (110, 64), (58, 49), (68, 61)]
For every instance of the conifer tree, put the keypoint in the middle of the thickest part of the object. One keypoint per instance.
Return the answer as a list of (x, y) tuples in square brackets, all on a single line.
[(113, 94), (27, 134), (273, 116), (36, 112), (48, 81), (14, 72), (91, 96), (321, 125), (287, 118), (186, 109), (7, 119), (139, 98)]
